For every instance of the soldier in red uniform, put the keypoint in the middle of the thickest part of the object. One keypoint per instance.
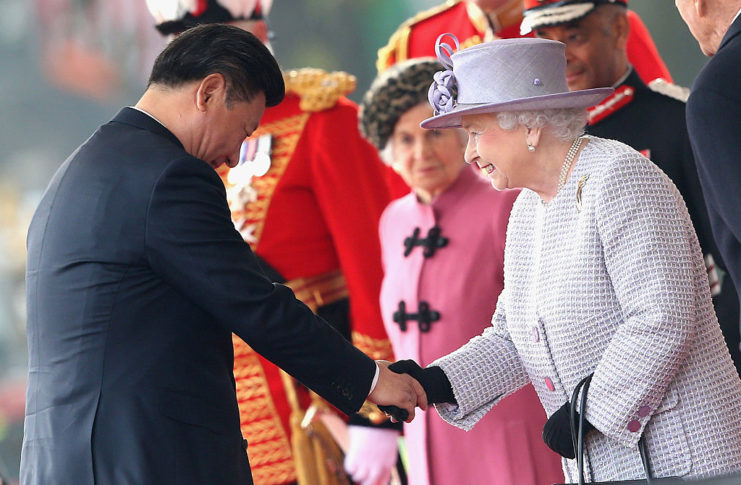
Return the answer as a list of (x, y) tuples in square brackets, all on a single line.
[(476, 21), (307, 196)]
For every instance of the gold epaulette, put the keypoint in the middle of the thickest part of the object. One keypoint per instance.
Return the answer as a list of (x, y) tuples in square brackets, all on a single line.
[(398, 45), (317, 88)]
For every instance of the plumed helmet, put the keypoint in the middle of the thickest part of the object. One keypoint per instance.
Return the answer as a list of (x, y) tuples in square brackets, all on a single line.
[(175, 16)]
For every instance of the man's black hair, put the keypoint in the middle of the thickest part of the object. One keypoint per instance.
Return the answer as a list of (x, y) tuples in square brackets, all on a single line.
[(246, 64)]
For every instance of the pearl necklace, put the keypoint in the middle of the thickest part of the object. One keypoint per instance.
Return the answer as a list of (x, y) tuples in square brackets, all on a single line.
[(568, 161)]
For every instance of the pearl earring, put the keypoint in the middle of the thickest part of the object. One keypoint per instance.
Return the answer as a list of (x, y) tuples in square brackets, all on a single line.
[(530, 148)]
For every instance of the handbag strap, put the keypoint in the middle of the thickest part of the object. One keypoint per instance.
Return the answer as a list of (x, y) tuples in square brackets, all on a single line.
[(577, 435)]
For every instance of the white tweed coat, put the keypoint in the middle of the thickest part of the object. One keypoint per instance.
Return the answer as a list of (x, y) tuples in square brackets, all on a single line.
[(614, 284)]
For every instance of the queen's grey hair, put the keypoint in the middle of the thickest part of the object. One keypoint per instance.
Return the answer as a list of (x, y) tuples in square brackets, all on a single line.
[(565, 124)]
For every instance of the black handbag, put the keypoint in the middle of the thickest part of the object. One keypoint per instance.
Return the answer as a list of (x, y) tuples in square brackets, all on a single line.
[(577, 437)]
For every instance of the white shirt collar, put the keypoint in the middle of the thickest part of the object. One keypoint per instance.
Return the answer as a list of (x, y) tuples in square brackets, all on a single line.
[(148, 114), (623, 77), (737, 14)]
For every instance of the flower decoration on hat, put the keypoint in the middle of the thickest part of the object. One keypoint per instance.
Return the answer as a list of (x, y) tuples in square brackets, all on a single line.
[(442, 91)]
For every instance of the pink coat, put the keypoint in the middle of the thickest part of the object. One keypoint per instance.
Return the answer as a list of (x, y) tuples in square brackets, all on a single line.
[(461, 281)]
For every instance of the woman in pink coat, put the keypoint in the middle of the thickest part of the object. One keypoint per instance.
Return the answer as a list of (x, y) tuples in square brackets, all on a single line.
[(436, 242)]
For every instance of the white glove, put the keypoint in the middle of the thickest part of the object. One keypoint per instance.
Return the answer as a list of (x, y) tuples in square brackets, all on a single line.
[(372, 454)]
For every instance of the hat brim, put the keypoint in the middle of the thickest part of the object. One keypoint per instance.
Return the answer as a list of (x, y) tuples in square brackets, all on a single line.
[(584, 98)]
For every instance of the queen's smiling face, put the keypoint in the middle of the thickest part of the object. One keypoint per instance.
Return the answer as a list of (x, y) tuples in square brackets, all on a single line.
[(501, 154)]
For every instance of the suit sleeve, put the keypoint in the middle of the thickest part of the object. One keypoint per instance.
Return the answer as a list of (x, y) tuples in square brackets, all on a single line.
[(652, 257), (351, 192), (714, 140), (192, 244), (692, 192)]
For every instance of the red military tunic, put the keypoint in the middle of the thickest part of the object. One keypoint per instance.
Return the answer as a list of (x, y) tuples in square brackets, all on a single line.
[(314, 211), (416, 38)]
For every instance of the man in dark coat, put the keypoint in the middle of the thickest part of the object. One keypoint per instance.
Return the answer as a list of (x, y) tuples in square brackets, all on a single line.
[(648, 118), (137, 278), (714, 117)]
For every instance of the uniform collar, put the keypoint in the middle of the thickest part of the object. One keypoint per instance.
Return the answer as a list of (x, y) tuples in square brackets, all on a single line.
[(623, 95), (143, 120)]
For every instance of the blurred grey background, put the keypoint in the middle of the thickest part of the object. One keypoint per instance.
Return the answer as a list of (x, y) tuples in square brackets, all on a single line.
[(67, 66)]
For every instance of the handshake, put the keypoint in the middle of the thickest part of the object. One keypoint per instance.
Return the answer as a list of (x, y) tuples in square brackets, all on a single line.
[(409, 385), (404, 385)]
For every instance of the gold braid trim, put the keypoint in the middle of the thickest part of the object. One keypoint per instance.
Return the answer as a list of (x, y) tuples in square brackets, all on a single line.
[(268, 452), (274, 474), (317, 88), (398, 45), (269, 448), (475, 40), (375, 348)]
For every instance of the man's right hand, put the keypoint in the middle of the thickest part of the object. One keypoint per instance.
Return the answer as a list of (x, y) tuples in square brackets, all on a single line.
[(399, 390)]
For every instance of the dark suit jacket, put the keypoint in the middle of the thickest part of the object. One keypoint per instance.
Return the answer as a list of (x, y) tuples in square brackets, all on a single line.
[(714, 123), (136, 280)]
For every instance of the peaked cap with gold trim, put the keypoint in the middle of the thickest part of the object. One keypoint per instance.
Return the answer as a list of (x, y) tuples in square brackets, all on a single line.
[(539, 13)]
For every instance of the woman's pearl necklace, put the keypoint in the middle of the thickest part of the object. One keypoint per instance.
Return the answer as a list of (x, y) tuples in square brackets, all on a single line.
[(568, 161)]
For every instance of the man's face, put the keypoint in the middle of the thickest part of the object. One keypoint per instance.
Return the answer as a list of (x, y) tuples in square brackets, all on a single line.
[(699, 26), (593, 50), (225, 127)]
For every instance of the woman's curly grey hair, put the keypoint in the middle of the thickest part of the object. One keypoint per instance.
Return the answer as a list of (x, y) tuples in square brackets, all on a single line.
[(565, 124), (392, 94)]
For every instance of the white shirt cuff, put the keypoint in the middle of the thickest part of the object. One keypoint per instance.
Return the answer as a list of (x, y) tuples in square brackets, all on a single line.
[(375, 380)]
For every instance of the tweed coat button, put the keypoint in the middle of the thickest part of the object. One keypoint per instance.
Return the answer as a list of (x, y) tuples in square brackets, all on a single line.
[(549, 384), (536, 334), (634, 426), (644, 411)]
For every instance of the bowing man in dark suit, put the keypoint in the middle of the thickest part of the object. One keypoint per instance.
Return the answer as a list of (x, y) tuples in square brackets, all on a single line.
[(136, 280), (714, 119)]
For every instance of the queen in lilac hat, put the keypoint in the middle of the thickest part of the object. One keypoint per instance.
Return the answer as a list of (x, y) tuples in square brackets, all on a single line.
[(503, 75), (603, 280), (516, 89)]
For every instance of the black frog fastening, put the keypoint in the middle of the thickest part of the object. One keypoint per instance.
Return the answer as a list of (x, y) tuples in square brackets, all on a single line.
[(431, 243), (424, 316)]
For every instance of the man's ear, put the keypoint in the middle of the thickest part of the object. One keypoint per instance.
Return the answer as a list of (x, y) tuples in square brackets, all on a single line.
[(210, 88), (701, 7)]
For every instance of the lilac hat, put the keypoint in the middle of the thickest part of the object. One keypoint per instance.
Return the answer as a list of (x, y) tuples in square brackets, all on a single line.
[(502, 75)]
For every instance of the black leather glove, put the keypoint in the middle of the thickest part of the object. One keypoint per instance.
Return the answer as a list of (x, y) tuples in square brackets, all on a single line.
[(557, 431), (433, 380)]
